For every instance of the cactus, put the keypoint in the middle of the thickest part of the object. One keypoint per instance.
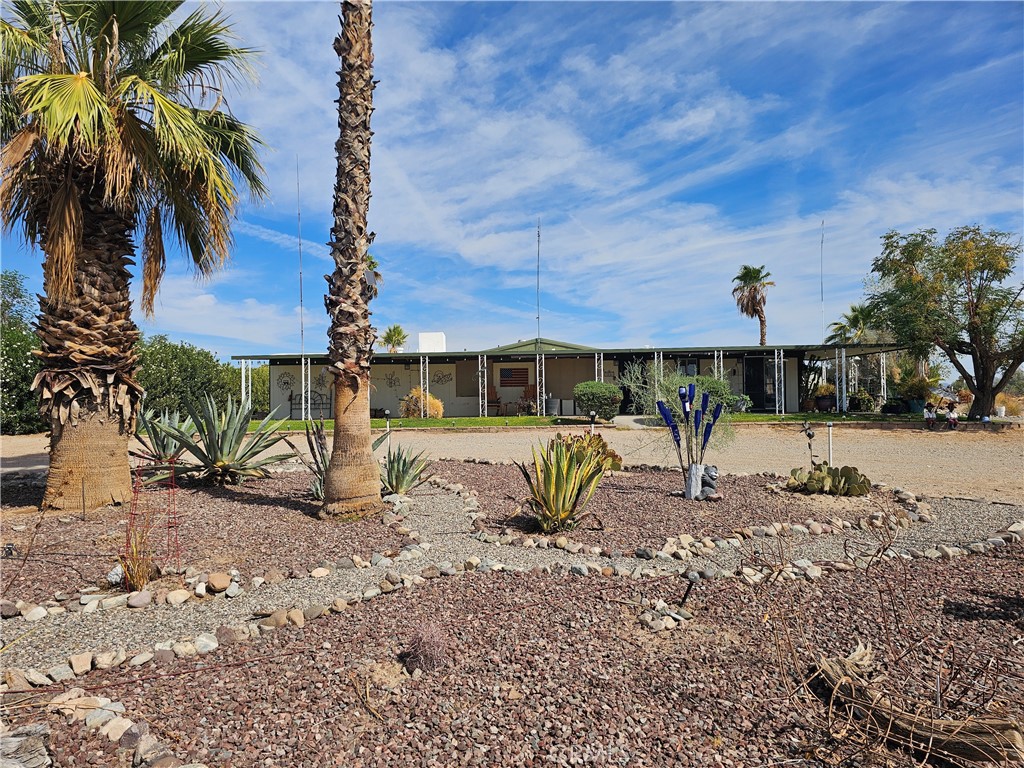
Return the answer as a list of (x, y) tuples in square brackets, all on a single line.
[(835, 481)]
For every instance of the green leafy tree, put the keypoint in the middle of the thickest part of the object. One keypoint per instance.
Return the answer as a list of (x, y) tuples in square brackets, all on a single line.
[(19, 407), (955, 295), (176, 373), (115, 136), (749, 293)]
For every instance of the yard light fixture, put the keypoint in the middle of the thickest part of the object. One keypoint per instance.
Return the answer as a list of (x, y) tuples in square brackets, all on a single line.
[(593, 419), (387, 419)]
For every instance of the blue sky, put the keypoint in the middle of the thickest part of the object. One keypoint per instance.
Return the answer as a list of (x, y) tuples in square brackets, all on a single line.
[(661, 145)]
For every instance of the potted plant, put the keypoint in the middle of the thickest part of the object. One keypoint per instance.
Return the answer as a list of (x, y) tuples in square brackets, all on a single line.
[(825, 397), (915, 391), (861, 400)]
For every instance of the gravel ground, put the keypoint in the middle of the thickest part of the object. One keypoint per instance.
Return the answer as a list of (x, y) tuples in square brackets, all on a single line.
[(251, 527), (573, 679)]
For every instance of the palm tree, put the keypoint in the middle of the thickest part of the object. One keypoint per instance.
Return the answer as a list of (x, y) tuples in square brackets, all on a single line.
[(113, 132), (394, 338), (749, 293), (852, 327), (352, 481)]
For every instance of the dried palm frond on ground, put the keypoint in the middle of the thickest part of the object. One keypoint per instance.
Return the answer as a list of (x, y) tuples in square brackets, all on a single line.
[(849, 688)]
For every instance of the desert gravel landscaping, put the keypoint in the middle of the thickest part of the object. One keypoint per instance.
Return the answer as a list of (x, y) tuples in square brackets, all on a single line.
[(621, 645)]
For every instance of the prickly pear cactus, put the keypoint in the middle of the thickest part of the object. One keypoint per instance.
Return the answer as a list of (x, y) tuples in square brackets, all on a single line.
[(835, 481)]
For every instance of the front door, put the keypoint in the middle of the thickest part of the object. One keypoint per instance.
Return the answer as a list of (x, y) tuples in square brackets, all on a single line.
[(754, 381)]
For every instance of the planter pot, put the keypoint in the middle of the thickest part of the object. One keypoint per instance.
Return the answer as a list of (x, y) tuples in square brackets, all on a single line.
[(1000, 411), (807, 405), (825, 402), (693, 478)]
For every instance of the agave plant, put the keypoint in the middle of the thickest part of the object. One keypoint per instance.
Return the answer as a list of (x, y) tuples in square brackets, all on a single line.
[(561, 483), (160, 446), (225, 452), (402, 471)]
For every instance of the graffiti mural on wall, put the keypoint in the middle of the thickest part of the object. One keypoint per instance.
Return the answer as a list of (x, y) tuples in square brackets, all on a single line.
[(441, 377), (392, 381), (286, 381)]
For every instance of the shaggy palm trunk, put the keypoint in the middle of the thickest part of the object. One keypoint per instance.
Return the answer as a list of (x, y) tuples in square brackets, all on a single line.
[(764, 326), (86, 387), (352, 482)]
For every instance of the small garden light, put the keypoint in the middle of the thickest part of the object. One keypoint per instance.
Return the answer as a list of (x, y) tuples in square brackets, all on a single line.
[(593, 420), (387, 419)]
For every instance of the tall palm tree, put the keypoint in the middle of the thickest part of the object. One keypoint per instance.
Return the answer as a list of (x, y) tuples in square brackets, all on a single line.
[(749, 293), (352, 481), (394, 338), (114, 134)]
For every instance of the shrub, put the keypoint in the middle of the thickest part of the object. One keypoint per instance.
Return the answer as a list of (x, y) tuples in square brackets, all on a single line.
[(1014, 405), (19, 406), (402, 471), (561, 483), (916, 388), (225, 452), (964, 396), (429, 649), (825, 390), (599, 396), (411, 405)]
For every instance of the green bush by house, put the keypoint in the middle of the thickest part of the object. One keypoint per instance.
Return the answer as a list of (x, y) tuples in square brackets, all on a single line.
[(598, 396)]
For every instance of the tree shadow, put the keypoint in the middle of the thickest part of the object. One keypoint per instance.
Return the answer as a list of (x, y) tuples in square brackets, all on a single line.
[(992, 606)]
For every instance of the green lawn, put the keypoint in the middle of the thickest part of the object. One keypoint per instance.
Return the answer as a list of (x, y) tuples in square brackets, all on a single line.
[(463, 422)]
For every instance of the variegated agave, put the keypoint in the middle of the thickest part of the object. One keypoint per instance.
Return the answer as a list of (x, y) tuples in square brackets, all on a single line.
[(562, 481)]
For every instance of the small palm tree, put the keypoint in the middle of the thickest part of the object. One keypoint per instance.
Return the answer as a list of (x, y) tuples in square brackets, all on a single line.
[(394, 338), (352, 480), (114, 134), (852, 327), (749, 293)]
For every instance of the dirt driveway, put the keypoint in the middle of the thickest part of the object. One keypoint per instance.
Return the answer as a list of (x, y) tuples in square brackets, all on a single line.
[(971, 462)]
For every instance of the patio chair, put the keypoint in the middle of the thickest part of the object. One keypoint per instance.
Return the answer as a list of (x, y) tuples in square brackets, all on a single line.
[(493, 400)]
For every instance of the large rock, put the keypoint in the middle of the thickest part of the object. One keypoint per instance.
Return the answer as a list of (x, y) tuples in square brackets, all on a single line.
[(140, 599), (205, 642), (80, 662), (218, 582), (178, 596)]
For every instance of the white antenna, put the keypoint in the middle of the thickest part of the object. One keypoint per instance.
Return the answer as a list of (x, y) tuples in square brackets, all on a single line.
[(538, 282), (304, 367), (298, 229), (821, 278)]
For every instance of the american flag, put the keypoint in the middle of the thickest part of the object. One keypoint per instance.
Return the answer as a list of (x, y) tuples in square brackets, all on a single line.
[(514, 377)]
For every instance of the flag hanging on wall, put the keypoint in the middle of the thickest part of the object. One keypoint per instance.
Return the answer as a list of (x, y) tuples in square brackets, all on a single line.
[(513, 377)]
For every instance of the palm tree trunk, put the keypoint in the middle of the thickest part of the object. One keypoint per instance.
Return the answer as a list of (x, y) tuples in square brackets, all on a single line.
[(352, 481), (764, 326), (87, 386)]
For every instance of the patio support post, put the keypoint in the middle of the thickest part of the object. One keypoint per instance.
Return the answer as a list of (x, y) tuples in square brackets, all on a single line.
[(599, 366), (242, 366), (541, 384), (719, 364), (481, 378), (659, 368), (307, 386), (424, 385), (780, 382), (842, 401), (882, 374)]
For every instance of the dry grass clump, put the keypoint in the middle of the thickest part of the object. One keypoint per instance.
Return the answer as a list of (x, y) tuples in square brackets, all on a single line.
[(1014, 405), (429, 648)]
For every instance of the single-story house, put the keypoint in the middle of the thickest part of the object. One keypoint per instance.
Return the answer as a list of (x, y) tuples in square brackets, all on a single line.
[(539, 375)]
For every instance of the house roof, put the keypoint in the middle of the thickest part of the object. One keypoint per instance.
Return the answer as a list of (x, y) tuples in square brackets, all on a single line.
[(553, 348)]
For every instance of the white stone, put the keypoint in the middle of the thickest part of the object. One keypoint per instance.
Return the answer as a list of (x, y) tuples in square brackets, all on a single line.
[(37, 613), (205, 642)]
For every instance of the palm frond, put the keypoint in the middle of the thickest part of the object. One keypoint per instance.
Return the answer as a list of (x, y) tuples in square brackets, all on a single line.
[(66, 107)]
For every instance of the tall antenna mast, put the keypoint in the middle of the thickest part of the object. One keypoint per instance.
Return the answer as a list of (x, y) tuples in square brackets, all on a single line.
[(303, 363), (538, 282), (298, 229), (821, 278)]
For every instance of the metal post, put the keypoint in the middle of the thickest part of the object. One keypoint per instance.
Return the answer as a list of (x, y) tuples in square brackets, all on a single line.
[(829, 425), (842, 401), (481, 378), (541, 384), (599, 366), (424, 385), (242, 367), (387, 420), (593, 419), (882, 372)]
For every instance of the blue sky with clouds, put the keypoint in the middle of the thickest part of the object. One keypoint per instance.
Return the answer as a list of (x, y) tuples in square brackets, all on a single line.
[(661, 145)]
